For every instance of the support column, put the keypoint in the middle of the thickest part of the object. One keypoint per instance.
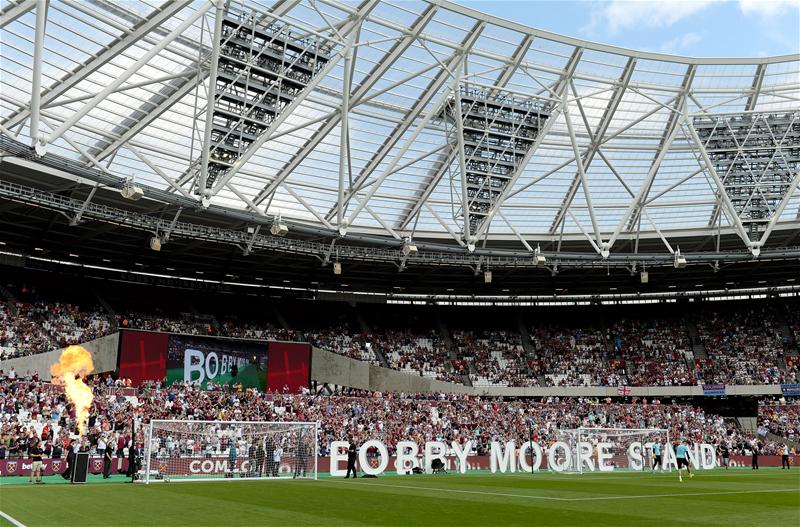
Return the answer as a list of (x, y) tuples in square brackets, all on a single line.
[(36, 82), (212, 93)]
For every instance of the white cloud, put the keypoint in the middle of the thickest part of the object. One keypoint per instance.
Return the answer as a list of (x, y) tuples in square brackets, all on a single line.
[(624, 14), (768, 8), (681, 43)]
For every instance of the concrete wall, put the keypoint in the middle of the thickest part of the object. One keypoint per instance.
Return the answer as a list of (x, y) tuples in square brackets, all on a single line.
[(328, 367), (336, 369), (103, 350)]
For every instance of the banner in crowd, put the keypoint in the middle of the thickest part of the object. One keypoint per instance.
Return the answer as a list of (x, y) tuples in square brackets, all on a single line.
[(50, 467), (714, 390), (790, 389), (221, 361)]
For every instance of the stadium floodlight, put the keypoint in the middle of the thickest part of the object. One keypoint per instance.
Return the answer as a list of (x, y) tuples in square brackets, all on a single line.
[(680, 260), (538, 257), (337, 268), (155, 243), (487, 277), (131, 191), (279, 229), (409, 248), (171, 450)]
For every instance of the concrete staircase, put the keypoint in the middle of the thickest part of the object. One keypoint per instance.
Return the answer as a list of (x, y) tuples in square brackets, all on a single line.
[(527, 343), (749, 424), (698, 348), (446, 338), (280, 318), (778, 439), (10, 300), (112, 314), (788, 336)]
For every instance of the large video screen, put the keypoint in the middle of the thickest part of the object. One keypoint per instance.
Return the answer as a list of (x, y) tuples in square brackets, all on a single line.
[(289, 366), (150, 355), (214, 360), (142, 356)]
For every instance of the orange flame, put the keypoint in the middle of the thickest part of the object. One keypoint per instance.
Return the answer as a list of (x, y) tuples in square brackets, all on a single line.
[(73, 363)]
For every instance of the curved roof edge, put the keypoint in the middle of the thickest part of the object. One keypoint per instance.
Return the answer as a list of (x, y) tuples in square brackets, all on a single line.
[(607, 48)]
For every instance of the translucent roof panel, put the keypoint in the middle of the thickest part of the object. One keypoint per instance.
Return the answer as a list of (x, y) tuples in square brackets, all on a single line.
[(365, 144)]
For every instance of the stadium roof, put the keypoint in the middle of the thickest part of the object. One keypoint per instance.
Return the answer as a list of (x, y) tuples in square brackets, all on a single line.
[(124, 90)]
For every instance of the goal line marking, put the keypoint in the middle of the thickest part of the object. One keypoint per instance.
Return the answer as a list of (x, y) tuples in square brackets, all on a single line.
[(11, 519), (554, 498)]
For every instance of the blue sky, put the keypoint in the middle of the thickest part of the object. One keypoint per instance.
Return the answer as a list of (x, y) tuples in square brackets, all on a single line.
[(684, 27)]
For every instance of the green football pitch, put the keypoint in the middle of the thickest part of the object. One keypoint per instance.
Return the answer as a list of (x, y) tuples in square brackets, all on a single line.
[(769, 497)]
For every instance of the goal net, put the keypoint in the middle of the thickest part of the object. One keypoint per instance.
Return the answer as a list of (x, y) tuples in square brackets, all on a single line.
[(219, 450), (607, 449)]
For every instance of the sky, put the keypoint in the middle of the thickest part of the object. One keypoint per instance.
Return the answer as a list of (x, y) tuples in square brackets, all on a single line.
[(698, 28)]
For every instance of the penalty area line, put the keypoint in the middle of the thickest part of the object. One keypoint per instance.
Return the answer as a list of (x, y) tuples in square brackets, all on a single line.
[(553, 498), (11, 519), (459, 491)]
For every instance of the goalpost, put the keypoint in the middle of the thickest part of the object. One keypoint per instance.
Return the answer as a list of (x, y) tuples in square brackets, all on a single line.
[(229, 450), (630, 449)]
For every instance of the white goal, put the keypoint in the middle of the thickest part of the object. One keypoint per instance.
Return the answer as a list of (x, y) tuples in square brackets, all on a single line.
[(229, 450), (607, 449)]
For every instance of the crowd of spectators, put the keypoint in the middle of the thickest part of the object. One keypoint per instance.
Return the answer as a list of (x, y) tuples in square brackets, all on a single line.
[(27, 328), (419, 353), (31, 407), (780, 417), (344, 342), (745, 346), (653, 352), (497, 358), (570, 356)]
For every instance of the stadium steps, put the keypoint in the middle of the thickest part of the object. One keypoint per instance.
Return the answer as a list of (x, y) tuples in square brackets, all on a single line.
[(781, 439), (527, 343), (788, 337), (381, 356), (698, 348), (446, 338), (112, 314), (10, 300), (749, 424), (361, 322), (280, 318)]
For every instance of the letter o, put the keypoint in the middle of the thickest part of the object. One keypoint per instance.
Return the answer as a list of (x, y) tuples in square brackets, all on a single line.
[(524, 466), (383, 454), (551, 457), (210, 356), (207, 466)]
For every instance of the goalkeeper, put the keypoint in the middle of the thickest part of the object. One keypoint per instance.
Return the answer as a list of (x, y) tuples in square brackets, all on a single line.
[(656, 456)]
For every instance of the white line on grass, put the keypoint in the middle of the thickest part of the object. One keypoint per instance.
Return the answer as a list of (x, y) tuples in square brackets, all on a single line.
[(553, 498), (12, 520), (720, 493), (439, 489)]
